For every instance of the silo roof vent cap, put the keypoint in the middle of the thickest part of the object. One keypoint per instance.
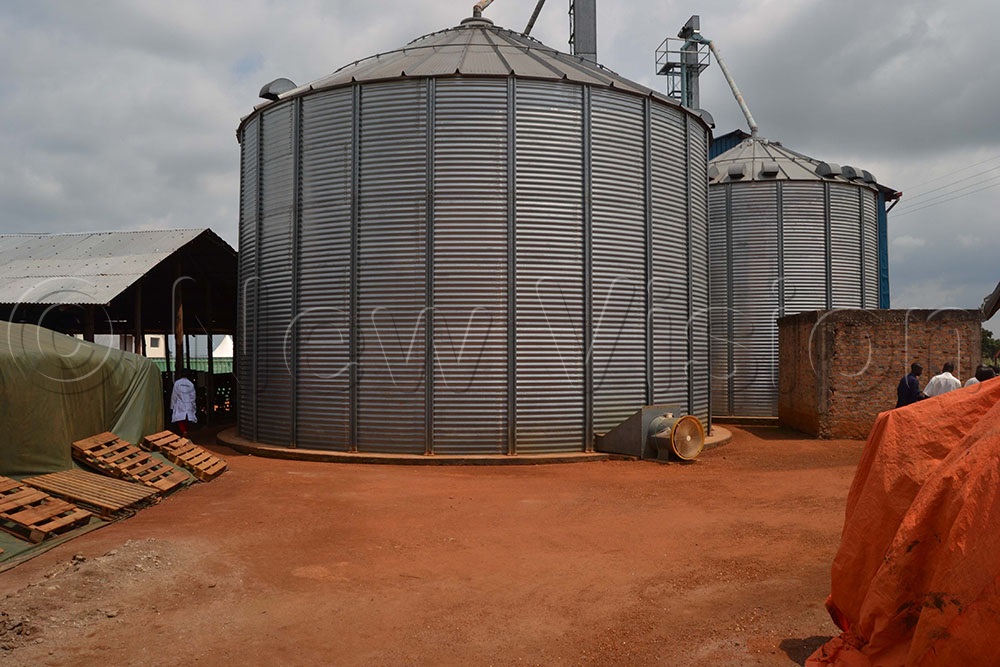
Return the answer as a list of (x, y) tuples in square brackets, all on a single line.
[(738, 170), (276, 88), (867, 176), (828, 169), (769, 169), (851, 173)]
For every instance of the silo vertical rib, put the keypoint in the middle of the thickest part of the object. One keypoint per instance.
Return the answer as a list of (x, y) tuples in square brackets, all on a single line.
[(871, 259), (846, 254), (827, 247), (549, 235), (290, 345), (354, 285), (781, 249), (256, 285), (804, 245), (864, 248), (730, 305), (669, 255), (690, 273), (588, 270), (324, 368), (392, 267), (619, 262), (719, 248), (754, 223), (511, 266), (698, 178), (429, 277), (471, 256), (275, 262), (249, 204), (647, 211)]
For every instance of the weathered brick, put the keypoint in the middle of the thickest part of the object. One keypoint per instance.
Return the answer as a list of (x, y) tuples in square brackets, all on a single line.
[(839, 368)]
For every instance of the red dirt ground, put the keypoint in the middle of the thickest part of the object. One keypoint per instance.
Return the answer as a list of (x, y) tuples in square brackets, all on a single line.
[(725, 561)]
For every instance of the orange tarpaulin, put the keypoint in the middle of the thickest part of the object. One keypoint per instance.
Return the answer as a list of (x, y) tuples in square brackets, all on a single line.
[(916, 581)]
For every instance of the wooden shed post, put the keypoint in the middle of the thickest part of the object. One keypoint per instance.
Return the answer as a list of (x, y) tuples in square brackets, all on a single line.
[(179, 322), (138, 344), (210, 378)]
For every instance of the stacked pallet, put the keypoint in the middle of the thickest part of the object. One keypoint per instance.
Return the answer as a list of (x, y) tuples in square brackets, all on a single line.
[(34, 515), (110, 454), (107, 496), (200, 462)]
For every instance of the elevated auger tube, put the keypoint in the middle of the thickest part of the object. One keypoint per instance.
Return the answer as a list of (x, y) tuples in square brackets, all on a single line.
[(732, 82), (477, 9)]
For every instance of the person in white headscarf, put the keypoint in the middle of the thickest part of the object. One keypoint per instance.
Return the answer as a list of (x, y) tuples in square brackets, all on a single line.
[(183, 403)]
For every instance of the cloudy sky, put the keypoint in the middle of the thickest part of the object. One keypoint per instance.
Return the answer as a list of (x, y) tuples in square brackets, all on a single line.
[(121, 114)]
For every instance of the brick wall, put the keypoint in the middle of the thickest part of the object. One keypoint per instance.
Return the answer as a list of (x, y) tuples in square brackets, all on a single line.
[(839, 368)]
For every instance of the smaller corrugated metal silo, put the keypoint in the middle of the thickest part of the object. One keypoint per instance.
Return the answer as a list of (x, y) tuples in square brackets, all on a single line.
[(787, 234)]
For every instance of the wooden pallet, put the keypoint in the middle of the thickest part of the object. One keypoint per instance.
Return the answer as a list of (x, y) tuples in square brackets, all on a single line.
[(203, 464), (35, 515), (108, 496), (109, 453)]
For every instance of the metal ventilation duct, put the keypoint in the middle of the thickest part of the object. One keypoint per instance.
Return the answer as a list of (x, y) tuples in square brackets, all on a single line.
[(476, 245)]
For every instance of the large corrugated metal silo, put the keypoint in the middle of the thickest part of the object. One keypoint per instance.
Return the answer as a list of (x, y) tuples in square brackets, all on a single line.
[(788, 234), (452, 248)]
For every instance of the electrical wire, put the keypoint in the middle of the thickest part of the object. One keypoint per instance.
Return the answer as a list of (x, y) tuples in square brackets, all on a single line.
[(914, 210), (911, 198), (957, 171), (944, 195)]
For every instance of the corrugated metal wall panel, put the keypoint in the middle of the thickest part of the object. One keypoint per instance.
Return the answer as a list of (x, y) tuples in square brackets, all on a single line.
[(870, 202), (845, 246), (754, 271), (670, 278), (324, 324), (549, 238), (619, 270), (246, 297), (392, 261), (466, 154), (804, 280), (274, 381), (470, 267), (698, 179), (719, 297)]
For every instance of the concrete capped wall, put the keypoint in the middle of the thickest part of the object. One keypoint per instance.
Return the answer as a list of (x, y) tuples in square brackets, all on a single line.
[(838, 369)]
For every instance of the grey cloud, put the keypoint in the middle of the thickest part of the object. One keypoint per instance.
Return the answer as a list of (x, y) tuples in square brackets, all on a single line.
[(121, 114)]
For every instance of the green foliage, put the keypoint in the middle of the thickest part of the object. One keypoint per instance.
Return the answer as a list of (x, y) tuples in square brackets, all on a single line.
[(990, 344)]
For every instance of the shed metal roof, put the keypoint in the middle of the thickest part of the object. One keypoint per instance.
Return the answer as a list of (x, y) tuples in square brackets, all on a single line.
[(475, 48), (91, 268)]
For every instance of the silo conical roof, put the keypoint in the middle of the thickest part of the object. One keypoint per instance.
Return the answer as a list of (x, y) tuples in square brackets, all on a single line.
[(477, 47), (762, 160)]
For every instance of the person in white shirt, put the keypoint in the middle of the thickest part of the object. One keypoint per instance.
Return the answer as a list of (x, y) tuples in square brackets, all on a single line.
[(183, 403), (943, 382), (983, 373)]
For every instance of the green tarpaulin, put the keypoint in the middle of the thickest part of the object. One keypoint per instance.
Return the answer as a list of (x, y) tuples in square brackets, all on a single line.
[(55, 389)]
